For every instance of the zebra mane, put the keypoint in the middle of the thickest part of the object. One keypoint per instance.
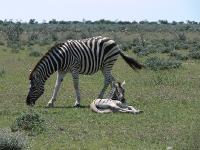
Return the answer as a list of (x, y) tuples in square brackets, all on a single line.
[(47, 53)]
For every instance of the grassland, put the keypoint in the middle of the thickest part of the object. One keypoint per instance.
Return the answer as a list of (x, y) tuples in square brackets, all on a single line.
[(169, 98)]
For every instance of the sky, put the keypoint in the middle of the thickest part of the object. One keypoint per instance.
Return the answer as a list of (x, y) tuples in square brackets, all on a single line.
[(124, 10)]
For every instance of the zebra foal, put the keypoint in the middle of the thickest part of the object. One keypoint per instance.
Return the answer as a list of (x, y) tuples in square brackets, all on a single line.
[(86, 56), (115, 103)]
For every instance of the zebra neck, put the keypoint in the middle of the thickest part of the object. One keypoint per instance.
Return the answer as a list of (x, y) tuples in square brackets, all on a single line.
[(45, 69)]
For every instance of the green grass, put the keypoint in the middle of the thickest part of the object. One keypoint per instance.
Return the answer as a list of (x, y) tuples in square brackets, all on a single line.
[(170, 100)]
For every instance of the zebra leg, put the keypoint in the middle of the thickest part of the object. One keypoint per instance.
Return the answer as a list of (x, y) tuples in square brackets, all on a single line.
[(60, 76), (75, 75), (135, 111), (108, 78)]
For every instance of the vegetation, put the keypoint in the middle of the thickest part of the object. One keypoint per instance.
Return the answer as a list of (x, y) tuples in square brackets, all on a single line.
[(194, 53), (35, 53), (29, 121), (169, 96), (156, 63), (2, 72), (11, 141)]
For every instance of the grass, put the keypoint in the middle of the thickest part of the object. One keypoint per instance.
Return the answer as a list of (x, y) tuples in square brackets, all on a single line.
[(29, 121), (169, 98), (155, 63), (12, 141), (2, 72)]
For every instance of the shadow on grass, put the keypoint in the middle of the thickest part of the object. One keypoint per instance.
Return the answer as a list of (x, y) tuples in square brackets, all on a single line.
[(67, 107)]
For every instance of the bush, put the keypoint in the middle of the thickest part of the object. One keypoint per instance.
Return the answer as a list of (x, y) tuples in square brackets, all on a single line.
[(35, 53), (13, 33), (136, 49), (181, 36), (29, 121), (155, 63), (45, 41), (144, 51), (181, 46), (166, 49), (195, 53), (126, 46), (179, 56), (11, 141)]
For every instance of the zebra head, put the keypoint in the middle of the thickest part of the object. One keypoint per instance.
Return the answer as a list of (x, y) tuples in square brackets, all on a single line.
[(36, 89), (118, 91)]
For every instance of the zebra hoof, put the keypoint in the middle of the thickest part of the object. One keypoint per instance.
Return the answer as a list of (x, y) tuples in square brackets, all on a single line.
[(77, 105), (139, 111)]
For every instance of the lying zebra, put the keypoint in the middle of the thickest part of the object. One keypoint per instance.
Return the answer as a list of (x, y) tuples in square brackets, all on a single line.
[(116, 102)]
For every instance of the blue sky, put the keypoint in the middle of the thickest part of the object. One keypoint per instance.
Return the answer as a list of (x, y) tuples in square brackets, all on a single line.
[(125, 10)]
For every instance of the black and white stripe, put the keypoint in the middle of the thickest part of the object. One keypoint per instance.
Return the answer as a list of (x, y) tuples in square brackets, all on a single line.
[(85, 56)]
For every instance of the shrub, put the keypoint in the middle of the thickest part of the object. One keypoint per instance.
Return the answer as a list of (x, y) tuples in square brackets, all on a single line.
[(137, 49), (135, 42), (155, 63), (180, 46), (11, 141), (126, 46), (45, 41), (29, 121), (179, 56), (195, 53), (165, 49), (35, 53), (181, 36), (144, 51), (13, 33)]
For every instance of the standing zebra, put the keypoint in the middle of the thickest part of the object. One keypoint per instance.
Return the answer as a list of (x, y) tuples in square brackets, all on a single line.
[(85, 56)]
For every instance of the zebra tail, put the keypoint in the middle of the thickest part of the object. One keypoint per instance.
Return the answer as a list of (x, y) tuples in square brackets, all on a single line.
[(131, 62), (95, 109)]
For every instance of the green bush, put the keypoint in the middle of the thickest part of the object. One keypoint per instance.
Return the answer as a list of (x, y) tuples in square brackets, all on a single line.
[(126, 46), (179, 56), (165, 49), (195, 53), (13, 33), (155, 63), (136, 49), (29, 121), (11, 141), (181, 36), (35, 53), (144, 51), (181, 46), (45, 41)]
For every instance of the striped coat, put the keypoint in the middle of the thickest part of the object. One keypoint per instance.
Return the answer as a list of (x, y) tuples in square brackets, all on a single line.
[(85, 56)]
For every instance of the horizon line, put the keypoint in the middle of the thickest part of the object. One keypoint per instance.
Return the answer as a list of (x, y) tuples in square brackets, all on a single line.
[(85, 20)]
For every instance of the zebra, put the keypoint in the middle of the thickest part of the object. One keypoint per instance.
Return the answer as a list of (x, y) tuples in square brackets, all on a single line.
[(116, 101), (84, 56)]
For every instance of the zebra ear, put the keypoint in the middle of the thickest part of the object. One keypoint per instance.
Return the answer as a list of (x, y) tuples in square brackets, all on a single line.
[(123, 83), (30, 74)]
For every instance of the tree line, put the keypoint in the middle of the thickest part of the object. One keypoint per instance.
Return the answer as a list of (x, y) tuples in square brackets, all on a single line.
[(101, 21)]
